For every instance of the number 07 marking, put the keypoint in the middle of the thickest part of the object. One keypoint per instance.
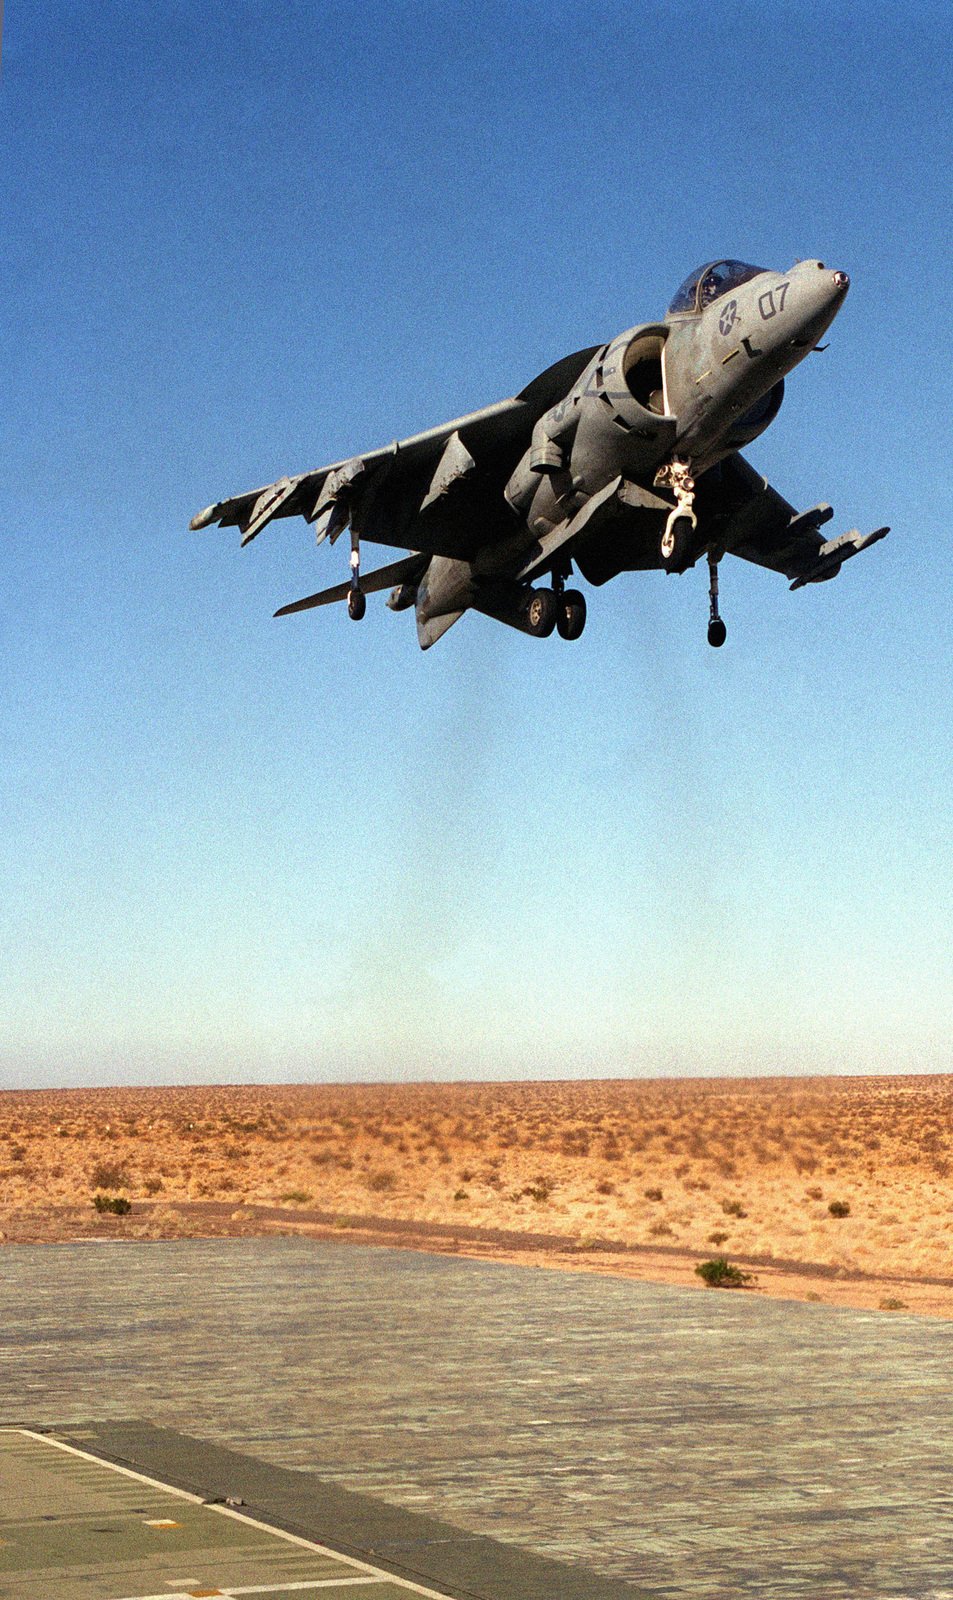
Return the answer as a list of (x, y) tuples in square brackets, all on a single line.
[(768, 306)]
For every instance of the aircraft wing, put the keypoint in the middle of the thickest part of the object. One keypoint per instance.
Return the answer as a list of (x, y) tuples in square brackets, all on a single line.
[(755, 522), (438, 492), (410, 570)]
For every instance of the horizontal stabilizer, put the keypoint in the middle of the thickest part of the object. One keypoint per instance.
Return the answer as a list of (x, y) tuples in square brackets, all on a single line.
[(408, 570), (831, 556)]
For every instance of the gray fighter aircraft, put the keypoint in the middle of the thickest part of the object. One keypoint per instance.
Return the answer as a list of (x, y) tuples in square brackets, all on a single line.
[(620, 458)]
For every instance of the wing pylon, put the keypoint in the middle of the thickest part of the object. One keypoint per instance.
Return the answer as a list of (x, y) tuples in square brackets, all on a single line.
[(832, 555)]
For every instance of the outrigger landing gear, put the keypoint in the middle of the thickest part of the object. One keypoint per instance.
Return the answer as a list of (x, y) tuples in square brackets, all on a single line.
[(356, 600), (717, 632)]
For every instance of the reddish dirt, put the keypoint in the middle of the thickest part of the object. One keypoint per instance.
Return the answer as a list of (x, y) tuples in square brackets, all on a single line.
[(640, 1179)]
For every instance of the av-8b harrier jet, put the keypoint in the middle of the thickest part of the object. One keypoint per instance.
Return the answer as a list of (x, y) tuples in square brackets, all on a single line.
[(620, 458)]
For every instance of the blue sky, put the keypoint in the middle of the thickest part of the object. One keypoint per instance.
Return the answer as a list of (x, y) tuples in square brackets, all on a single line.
[(246, 239)]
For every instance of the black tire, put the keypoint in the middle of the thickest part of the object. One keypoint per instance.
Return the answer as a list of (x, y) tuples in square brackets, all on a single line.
[(675, 549), (356, 605), (539, 615), (717, 633), (571, 614)]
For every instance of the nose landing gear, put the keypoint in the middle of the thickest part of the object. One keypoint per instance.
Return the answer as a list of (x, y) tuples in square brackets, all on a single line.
[(717, 632), (676, 546), (678, 537)]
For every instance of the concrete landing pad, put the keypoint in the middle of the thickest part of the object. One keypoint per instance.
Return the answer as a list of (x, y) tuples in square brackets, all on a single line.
[(125, 1511), (696, 1445)]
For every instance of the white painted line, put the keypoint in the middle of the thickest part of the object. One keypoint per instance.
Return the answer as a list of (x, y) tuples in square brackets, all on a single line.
[(260, 1588), (335, 1555), (306, 1583), (378, 1573)]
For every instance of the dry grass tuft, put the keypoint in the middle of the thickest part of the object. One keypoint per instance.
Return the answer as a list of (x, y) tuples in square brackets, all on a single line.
[(681, 1158)]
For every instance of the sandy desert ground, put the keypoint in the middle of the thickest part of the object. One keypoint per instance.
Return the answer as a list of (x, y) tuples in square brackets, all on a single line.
[(838, 1190)]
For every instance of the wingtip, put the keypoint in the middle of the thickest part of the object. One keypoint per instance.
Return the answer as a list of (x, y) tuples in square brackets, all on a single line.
[(202, 519)]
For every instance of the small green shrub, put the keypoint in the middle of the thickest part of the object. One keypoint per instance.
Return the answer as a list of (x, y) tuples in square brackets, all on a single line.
[(461, 1194), (839, 1208), (605, 1187), (890, 1303), (814, 1193), (540, 1189), (717, 1237), (117, 1204), (720, 1274), (653, 1194), (298, 1197), (733, 1208)]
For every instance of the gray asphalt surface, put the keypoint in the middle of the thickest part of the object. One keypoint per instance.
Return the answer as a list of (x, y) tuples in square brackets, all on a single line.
[(699, 1444)]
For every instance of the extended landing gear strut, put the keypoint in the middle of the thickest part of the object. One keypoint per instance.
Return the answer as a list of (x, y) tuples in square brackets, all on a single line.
[(717, 632), (356, 600), (678, 538)]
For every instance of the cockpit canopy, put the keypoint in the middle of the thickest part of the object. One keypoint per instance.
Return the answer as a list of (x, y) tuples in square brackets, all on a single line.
[(708, 283)]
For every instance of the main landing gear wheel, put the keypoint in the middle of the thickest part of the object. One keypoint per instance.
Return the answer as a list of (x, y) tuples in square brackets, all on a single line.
[(570, 613), (540, 614), (717, 633), (356, 605), (676, 546)]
